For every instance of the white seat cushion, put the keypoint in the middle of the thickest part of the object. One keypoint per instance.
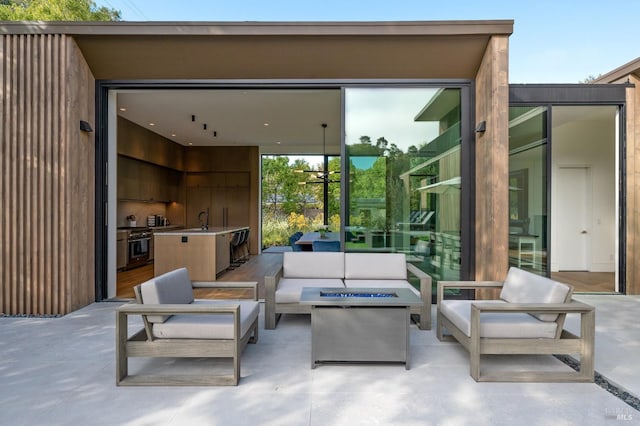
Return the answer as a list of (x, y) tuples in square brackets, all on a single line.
[(525, 287), (208, 326), (497, 325), (313, 265), (289, 289), (171, 287), (375, 266), (381, 284)]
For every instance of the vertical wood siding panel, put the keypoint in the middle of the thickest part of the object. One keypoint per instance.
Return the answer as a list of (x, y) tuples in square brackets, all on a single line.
[(4, 172), (14, 171)]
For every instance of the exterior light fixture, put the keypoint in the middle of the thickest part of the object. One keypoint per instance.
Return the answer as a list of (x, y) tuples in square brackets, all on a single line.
[(85, 126), (481, 127)]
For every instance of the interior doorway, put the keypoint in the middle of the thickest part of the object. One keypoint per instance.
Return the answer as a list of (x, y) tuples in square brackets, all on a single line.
[(584, 202)]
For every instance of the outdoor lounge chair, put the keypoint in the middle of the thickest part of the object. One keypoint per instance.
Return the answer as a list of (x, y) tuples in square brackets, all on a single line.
[(176, 326), (528, 319)]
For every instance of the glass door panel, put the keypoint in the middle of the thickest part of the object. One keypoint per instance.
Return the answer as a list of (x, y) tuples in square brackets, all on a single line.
[(528, 188), (403, 175)]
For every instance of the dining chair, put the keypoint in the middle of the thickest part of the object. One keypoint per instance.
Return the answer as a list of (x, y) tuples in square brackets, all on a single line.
[(319, 245)]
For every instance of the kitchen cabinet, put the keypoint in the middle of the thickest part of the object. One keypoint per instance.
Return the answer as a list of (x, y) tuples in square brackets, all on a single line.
[(122, 249), (139, 180), (226, 195), (204, 253)]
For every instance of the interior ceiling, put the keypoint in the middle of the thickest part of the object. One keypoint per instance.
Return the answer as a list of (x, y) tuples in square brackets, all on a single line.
[(278, 121)]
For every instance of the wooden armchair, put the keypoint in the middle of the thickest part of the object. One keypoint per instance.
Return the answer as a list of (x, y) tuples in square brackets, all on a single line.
[(528, 319), (176, 325)]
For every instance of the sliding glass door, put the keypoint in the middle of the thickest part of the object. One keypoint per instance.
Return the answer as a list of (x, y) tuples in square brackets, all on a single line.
[(403, 175)]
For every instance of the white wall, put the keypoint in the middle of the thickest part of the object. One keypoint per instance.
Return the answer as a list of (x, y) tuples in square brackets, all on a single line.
[(589, 143)]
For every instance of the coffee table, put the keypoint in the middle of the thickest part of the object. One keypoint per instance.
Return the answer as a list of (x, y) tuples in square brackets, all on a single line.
[(359, 324)]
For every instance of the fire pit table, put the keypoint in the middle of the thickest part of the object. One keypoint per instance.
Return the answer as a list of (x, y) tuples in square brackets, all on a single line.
[(359, 324)]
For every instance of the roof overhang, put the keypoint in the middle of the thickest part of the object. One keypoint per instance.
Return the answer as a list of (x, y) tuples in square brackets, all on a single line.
[(620, 74), (276, 50)]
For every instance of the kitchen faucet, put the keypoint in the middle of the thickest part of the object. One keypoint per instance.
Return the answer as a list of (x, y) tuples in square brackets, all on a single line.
[(204, 224)]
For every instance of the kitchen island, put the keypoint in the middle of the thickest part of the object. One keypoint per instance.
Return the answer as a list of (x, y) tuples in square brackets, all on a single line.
[(204, 252)]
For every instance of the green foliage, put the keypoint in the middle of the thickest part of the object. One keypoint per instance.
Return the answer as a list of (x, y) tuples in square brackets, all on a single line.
[(287, 206), (56, 10)]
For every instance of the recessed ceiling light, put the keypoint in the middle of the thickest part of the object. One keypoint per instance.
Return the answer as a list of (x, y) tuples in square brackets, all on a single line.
[(173, 135), (278, 142), (123, 109), (266, 124), (152, 124), (190, 143)]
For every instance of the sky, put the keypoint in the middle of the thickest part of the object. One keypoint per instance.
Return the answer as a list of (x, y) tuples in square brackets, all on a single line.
[(561, 41)]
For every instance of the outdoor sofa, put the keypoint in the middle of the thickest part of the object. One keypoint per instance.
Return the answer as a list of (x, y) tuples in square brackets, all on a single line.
[(340, 270), (527, 319), (177, 325)]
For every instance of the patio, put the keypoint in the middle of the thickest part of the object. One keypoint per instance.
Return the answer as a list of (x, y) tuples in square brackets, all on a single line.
[(62, 371)]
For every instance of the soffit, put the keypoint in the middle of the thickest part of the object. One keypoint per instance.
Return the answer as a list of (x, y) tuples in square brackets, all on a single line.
[(273, 50)]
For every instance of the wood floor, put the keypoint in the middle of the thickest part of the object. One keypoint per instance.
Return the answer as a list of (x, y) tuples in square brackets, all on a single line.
[(253, 270), (587, 282)]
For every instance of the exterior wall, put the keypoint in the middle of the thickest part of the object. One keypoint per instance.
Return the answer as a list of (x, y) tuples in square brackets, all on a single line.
[(47, 178), (633, 187), (492, 163)]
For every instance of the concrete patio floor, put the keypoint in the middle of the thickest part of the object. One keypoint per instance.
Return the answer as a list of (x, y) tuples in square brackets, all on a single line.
[(61, 371)]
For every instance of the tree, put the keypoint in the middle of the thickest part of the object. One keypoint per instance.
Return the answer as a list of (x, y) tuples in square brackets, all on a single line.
[(55, 10), (590, 79)]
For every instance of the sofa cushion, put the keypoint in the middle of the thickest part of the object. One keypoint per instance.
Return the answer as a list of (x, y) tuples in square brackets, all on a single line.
[(381, 284), (525, 287), (208, 326), (171, 287), (373, 266), (497, 325), (313, 265), (289, 289)]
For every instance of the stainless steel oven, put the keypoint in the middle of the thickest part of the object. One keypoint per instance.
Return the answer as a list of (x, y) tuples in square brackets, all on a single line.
[(138, 242)]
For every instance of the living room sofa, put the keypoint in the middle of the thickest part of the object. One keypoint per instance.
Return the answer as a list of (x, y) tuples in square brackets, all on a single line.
[(340, 270)]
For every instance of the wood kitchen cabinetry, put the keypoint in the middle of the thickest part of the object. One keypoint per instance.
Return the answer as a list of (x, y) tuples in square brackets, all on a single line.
[(139, 180), (225, 194), (204, 253), (122, 249)]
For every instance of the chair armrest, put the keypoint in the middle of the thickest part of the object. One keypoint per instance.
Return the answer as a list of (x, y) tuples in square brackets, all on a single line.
[(272, 280), (425, 281), (465, 285), (251, 285), (573, 307), (177, 309)]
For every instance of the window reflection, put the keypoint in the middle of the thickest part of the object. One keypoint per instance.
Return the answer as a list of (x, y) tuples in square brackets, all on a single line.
[(403, 168)]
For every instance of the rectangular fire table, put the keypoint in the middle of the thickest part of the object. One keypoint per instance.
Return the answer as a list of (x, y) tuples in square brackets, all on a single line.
[(359, 324)]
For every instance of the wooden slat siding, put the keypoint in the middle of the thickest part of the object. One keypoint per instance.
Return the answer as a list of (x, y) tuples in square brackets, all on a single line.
[(47, 174), (492, 163), (633, 187)]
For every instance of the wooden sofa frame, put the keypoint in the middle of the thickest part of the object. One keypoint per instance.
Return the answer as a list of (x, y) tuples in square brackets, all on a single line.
[(145, 344), (563, 343), (273, 310)]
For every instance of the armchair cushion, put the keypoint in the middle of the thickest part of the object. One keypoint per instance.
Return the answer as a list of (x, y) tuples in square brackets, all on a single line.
[(525, 287), (313, 265), (289, 289), (218, 326), (372, 266), (497, 325), (172, 287)]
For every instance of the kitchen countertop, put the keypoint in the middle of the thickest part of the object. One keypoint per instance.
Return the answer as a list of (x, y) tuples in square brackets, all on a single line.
[(213, 230)]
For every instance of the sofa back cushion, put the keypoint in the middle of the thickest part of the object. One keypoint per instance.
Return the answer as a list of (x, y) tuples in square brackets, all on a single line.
[(172, 287), (525, 287), (313, 265), (372, 266)]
